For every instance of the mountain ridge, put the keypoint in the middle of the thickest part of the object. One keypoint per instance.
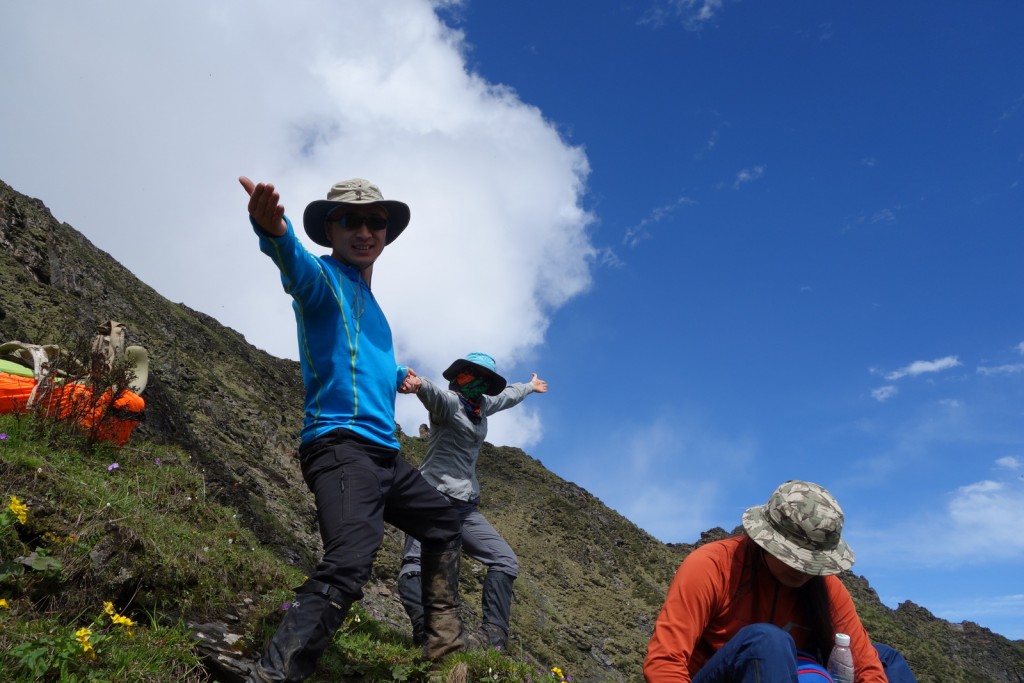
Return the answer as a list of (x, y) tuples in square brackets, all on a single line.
[(592, 581)]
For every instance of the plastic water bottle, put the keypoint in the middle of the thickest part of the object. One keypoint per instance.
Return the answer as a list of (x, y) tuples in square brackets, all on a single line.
[(840, 662)]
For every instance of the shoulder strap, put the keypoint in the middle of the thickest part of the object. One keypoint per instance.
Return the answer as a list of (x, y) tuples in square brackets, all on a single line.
[(34, 356), (107, 345)]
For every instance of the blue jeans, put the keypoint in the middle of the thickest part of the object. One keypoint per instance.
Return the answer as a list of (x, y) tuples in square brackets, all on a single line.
[(762, 653), (896, 668)]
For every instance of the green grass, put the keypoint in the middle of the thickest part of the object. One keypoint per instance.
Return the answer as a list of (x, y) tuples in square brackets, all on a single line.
[(135, 527)]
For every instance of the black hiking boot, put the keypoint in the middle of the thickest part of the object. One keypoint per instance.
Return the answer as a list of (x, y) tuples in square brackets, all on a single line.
[(411, 593), (303, 635), (497, 608)]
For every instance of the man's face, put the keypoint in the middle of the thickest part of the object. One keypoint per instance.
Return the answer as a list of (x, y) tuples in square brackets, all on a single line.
[(355, 242)]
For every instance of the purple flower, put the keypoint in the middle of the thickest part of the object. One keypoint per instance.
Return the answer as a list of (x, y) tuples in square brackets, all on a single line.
[(156, 460), (112, 466), (3, 437), (285, 606)]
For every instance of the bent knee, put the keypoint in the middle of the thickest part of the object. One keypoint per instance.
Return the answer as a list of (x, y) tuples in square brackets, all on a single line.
[(766, 637)]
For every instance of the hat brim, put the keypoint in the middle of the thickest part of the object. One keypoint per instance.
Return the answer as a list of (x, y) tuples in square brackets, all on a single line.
[(314, 218), (495, 382), (813, 562)]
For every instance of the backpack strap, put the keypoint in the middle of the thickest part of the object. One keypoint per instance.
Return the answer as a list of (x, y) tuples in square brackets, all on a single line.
[(34, 356), (107, 345)]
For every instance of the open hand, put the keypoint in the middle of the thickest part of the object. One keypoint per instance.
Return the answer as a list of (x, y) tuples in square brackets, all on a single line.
[(265, 207)]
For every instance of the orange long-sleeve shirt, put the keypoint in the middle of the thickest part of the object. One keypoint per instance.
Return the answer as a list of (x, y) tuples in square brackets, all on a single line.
[(704, 608)]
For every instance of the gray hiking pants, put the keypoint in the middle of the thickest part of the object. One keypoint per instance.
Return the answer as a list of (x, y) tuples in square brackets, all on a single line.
[(480, 541)]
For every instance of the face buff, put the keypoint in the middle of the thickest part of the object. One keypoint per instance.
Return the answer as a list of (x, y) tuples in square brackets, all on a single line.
[(471, 388)]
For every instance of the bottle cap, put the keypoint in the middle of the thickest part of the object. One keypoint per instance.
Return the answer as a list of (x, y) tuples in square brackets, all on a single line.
[(842, 640)]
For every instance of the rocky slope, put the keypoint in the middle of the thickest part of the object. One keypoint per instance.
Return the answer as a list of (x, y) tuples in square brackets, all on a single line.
[(591, 581)]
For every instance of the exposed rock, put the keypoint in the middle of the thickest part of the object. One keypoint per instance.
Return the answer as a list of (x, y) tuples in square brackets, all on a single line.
[(591, 582)]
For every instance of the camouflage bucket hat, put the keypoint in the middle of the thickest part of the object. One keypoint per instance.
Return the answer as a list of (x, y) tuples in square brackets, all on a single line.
[(801, 525), (357, 192)]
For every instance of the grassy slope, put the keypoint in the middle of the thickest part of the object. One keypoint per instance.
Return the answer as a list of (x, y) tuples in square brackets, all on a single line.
[(228, 414)]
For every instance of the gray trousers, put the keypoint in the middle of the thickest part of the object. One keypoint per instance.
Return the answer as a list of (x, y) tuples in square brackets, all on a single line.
[(480, 541)]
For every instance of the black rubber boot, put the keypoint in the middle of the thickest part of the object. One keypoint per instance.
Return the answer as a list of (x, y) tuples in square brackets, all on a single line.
[(442, 621), (410, 590), (497, 608), (303, 635)]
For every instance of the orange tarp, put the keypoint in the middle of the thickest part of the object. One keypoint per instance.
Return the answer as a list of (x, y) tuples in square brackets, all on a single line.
[(107, 417)]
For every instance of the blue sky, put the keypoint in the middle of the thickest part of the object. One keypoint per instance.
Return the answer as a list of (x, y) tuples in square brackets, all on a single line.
[(744, 241)]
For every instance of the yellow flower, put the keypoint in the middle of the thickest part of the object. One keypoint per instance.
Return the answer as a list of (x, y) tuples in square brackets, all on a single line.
[(558, 672), (3, 604), (19, 509), (82, 635), (122, 620), (119, 619)]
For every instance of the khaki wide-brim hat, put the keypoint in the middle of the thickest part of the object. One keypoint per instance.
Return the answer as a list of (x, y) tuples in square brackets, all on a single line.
[(354, 192), (801, 525)]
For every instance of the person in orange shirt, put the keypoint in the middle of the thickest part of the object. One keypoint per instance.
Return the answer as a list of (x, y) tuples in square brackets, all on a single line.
[(739, 609)]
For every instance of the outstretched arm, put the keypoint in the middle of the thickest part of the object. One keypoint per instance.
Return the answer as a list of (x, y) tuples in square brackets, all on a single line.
[(265, 207), (514, 394)]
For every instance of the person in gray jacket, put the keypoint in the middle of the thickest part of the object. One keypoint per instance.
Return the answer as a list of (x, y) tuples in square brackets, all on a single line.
[(458, 427)]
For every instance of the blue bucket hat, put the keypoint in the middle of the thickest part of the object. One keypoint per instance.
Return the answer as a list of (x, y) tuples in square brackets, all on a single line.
[(483, 365)]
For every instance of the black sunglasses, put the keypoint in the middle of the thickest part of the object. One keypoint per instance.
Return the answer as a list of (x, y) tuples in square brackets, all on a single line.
[(351, 221)]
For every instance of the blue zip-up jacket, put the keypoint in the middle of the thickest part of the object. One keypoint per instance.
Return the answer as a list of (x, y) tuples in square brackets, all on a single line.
[(345, 347)]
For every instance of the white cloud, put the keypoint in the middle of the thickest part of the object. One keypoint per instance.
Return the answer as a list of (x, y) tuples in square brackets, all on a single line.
[(1006, 610), (971, 529), (883, 394), (979, 514), (694, 14), (709, 145), (884, 216), (920, 367), (639, 232), (607, 257), (748, 175), (1009, 369), (1010, 462), (144, 133), (672, 517), (673, 474), (1020, 348)]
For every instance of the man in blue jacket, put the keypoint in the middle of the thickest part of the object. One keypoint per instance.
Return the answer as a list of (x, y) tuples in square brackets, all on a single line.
[(348, 452)]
